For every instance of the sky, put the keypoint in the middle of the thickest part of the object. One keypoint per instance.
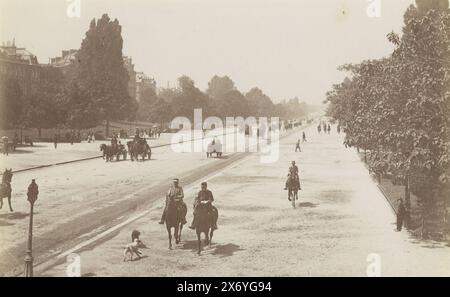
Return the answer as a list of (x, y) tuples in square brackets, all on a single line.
[(287, 48)]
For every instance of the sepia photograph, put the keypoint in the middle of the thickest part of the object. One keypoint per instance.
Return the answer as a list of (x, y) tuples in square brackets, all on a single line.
[(215, 139)]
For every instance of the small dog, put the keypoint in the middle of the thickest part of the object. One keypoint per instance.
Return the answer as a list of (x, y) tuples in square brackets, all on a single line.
[(133, 247)]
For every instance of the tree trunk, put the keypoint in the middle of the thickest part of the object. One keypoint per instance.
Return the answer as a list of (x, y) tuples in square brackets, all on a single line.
[(407, 202), (107, 128), (39, 133), (407, 192)]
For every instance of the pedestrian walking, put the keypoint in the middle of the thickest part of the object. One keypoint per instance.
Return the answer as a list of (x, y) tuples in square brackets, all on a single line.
[(297, 147), (401, 212), (55, 141)]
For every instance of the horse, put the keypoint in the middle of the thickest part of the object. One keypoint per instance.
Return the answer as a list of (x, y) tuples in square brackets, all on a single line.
[(121, 150), (174, 219), (293, 187), (205, 220), (108, 152), (139, 147), (5, 188)]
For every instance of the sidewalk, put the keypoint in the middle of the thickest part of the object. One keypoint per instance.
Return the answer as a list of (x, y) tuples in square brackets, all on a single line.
[(341, 219)]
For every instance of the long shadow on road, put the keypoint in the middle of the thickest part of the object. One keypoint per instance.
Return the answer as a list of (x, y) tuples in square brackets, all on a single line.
[(222, 250)]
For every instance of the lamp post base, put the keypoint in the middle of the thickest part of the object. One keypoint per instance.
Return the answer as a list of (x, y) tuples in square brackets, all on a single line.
[(28, 264)]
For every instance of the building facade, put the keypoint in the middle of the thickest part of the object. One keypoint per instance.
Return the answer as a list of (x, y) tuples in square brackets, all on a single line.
[(67, 63), (20, 65), (143, 82)]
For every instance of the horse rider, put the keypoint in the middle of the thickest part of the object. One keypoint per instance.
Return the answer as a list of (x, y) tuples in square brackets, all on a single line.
[(293, 172), (114, 140), (203, 195), (137, 137), (174, 192)]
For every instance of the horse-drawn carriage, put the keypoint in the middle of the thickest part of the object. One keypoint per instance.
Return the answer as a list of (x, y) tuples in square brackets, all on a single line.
[(113, 151), (139, 147), (215, 147)]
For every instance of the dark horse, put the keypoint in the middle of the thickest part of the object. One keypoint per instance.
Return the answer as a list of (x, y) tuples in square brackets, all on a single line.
[(293, 187), (111, 151), (174, 219), (108, 152), (5, 187), (205, 220), (139, 147)]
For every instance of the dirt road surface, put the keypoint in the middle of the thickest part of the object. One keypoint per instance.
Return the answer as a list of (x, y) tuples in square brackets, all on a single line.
[(341, 224)]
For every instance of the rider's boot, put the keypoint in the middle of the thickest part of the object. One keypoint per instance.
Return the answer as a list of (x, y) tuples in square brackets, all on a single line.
[(163, 217), (192, 226)]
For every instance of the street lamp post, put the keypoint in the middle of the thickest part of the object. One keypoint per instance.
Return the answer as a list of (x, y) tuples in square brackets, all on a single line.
[(33, 191)]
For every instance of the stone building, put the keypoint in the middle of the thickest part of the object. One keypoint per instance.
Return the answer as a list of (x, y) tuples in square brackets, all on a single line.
[(21, 65), (143, 82), (66, 63)]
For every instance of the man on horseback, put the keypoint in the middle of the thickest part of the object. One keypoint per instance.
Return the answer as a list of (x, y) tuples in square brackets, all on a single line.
[(137, 137), (204, 195), (175, 192), (293, 175)]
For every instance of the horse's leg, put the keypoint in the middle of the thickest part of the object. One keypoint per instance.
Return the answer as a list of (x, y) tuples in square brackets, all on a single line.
[(9, 202), (169, 231), (207, 237), (289, 194), (211, 236), (179, 234), (1, 202), (199, 242), (176, 233)]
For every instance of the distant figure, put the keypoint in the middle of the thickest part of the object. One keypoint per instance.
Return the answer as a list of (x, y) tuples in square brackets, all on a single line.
[(5, 141), (16, 140), (297, 147), (319, 128), (401, 212), (329, 128), (55, 141), (304, 136), (338, 129)]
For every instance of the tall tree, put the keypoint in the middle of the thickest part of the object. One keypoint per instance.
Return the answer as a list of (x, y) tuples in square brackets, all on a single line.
[(101, 72), (44, 108), (189, 98), (219, 86), (146, 104), (259, 103), (11, 103)]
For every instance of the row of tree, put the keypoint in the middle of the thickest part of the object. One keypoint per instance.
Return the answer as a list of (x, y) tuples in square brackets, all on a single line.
[(398, 108), (221, 99), (95, 90)]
